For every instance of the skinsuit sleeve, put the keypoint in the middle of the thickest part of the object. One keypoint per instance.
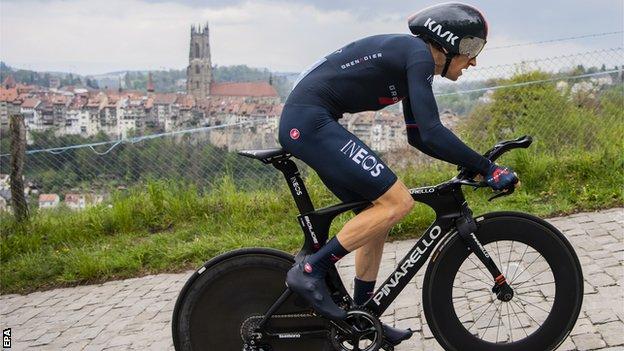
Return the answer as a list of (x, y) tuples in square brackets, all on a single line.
[(424, 129)]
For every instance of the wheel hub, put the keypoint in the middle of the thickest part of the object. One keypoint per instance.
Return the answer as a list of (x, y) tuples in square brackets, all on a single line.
[(505, 293)]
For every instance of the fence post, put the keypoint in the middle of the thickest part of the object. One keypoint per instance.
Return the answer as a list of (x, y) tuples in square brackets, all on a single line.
[(18, 151)]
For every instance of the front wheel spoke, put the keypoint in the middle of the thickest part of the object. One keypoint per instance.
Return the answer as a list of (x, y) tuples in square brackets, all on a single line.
[(481, 315), (463, 304), (460, 317), (499, 321), (475, 278), (470, 290), (490, 322), (531, 304), (525, 312), (509, 325), (549, 299), (530, 286), (481, 269), (527, 268), (532, 278), (519, 322), (509, 259), (473, 297), (500, 260), (526, 247)]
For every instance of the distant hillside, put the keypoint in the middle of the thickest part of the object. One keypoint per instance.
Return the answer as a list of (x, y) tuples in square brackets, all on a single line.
[(165, 81)]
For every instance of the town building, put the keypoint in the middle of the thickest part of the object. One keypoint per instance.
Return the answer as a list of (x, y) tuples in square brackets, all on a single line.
[(49, 201)]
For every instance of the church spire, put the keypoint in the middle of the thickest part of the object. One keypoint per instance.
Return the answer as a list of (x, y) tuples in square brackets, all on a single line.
[(150, 83), (199, 70)]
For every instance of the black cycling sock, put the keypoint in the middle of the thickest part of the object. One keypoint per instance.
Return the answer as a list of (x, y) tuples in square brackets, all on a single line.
[(362, 291), (325, 258)]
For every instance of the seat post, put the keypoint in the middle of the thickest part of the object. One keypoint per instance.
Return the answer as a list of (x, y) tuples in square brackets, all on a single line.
[(295, 183)]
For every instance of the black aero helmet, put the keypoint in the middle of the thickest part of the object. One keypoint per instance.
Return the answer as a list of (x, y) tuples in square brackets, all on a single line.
[(455, 27)]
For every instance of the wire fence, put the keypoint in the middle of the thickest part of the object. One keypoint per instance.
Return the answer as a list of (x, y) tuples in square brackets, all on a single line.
[(566, 103)]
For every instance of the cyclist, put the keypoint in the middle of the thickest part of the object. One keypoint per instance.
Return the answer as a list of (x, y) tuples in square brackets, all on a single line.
[(365, 75)]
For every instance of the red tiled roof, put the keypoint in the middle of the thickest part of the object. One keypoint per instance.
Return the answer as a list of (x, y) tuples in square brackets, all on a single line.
[(60, 99), (165, 99), (243, 89), (48, 197), (8, 95), (30, 103)]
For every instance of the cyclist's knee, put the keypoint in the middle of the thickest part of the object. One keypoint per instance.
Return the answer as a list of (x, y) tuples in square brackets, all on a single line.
[(402, 208), (397, 200)]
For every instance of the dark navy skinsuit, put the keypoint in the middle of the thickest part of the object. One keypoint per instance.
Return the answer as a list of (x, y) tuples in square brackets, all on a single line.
[(367, 75)]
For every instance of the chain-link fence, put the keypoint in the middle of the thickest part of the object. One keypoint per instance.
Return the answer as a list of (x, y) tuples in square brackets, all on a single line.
[(567, 103)]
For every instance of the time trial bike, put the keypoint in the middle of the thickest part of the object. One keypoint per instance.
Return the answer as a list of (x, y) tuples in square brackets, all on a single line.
[(499, 281)]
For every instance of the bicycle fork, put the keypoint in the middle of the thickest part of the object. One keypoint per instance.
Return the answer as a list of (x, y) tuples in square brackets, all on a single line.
[(466, 228)]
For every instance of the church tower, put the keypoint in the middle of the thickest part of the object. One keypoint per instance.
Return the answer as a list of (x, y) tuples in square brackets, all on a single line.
[(199, 70)]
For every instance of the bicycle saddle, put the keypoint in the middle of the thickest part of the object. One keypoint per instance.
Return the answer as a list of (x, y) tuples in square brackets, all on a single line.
[(265, 155)]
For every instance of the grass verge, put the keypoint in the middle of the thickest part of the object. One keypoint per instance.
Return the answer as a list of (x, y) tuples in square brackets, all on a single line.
[(167, 226)]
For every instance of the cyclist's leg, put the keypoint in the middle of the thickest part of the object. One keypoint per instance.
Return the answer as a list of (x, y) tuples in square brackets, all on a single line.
[(367, 257), (367, 262)]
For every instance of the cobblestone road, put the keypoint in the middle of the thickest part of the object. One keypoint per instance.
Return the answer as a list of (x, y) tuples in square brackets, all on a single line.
[(135, 313)]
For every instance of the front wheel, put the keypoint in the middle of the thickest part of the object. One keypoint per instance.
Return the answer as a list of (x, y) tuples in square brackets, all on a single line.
[(540, 266)]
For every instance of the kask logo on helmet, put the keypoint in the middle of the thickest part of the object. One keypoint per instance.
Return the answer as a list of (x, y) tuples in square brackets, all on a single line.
[(437, 29)]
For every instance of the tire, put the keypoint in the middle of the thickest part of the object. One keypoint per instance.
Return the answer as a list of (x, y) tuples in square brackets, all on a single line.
[(545, 305), (214, 304)]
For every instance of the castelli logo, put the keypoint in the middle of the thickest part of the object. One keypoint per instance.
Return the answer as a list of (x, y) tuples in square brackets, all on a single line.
[(308, 268), (294, 133)]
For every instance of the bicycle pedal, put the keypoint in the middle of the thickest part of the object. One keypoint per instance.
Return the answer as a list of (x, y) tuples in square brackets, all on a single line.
[(387, 347)]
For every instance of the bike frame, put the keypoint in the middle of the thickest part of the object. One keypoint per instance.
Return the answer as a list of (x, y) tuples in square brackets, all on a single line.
[(453, 216)]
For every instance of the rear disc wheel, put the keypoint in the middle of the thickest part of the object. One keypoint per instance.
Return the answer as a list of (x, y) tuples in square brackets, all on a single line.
[(219, 310)]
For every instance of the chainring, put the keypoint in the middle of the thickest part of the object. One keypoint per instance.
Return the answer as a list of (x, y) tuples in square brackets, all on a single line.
[(366, 332)]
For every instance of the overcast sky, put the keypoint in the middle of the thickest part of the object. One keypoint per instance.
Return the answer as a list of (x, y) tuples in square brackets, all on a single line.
[(92, 37)]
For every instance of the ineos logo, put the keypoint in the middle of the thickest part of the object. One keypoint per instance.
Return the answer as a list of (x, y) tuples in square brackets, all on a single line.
[(360, 156), (296, 186)]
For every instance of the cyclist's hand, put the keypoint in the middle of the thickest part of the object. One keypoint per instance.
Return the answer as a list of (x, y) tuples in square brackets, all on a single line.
[(500, 177)]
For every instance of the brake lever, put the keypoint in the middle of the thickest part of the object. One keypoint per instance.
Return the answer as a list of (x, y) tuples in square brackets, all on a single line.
[(503, 193)]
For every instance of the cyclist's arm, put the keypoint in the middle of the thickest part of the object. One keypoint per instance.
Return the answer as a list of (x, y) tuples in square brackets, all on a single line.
[(413, 135), (433, 134)]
